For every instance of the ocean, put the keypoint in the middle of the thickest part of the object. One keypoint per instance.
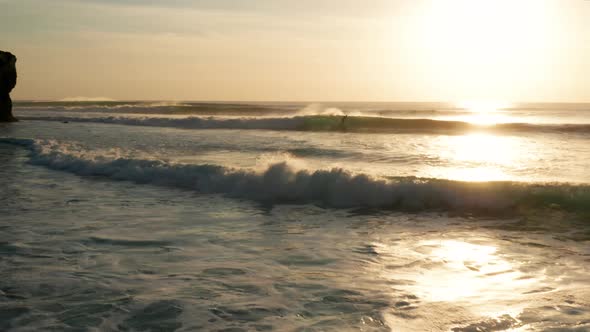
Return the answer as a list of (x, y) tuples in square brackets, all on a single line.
[(186, 216)]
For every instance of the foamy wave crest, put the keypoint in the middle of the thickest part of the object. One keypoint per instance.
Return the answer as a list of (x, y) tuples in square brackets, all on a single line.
[(322, 123), (336, 188), (319, 109)]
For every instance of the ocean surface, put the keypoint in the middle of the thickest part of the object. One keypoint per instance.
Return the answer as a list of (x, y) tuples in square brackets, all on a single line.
[(184, 216)]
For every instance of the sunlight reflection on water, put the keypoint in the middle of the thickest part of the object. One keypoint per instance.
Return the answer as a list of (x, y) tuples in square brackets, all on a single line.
[(467, 270), (447, 273), (480, 157)]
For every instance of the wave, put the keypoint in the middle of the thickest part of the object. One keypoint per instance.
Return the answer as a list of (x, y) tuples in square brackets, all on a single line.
[(105, 106), (86, 99), (159, 107), (323, 123), (335, 188)]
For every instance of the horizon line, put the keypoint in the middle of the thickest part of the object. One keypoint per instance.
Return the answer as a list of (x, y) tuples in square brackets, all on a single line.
[(279, 101)]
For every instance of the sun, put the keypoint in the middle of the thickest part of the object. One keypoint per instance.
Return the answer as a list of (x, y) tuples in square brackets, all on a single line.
[(486, 49)]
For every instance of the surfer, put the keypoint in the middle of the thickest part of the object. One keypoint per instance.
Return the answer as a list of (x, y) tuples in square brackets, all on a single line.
[(342, 123)]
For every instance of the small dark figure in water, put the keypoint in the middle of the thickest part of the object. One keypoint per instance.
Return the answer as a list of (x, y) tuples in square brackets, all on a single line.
[(342, 127), (7, 83)]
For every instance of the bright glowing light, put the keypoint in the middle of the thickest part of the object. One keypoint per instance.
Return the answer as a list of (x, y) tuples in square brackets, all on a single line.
[(486, 48), (483, 106), (467, 270), (478, 157), (483, 149), (471, 270), (452, 270), (457, 253), (493, 29), (477, 174), (484, 112)]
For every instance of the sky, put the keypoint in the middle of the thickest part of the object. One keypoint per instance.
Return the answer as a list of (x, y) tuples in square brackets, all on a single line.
[(304, 50)]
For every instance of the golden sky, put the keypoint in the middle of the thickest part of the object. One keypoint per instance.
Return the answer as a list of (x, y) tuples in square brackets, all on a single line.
[(320, 50)]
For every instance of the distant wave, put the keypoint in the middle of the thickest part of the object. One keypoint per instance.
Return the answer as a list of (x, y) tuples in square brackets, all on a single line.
[(386, 110), (86, 99), (163, 108), (335, 188), (322, 123), (159, 107)]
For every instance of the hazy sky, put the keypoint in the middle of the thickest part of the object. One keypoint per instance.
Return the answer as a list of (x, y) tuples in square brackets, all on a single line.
[(309, 50)]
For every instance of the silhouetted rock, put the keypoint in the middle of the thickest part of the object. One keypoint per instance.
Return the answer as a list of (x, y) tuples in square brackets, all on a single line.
[(7, 83)]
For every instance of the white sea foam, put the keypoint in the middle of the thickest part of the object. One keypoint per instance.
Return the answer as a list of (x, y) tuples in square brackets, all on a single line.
[(282, 183), (319, 109)]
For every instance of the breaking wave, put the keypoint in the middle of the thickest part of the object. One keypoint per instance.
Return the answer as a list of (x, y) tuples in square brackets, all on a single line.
[(105, 106), (335, 188), (321, 123)]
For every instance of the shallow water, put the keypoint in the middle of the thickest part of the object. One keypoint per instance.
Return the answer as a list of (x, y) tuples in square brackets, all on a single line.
[(111, 227)]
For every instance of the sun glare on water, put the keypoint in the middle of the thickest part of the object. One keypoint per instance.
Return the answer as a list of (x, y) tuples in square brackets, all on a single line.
[(468, 270), (484, 112), (478, 157), (453, 270)]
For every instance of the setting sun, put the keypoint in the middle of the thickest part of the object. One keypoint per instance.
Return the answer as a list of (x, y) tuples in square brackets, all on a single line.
[(492, 49)]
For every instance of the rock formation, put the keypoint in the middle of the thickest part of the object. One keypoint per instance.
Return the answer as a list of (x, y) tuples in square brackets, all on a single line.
[(7, 83)]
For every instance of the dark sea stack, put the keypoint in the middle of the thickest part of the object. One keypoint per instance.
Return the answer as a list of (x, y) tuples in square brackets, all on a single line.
[(7, 83)]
